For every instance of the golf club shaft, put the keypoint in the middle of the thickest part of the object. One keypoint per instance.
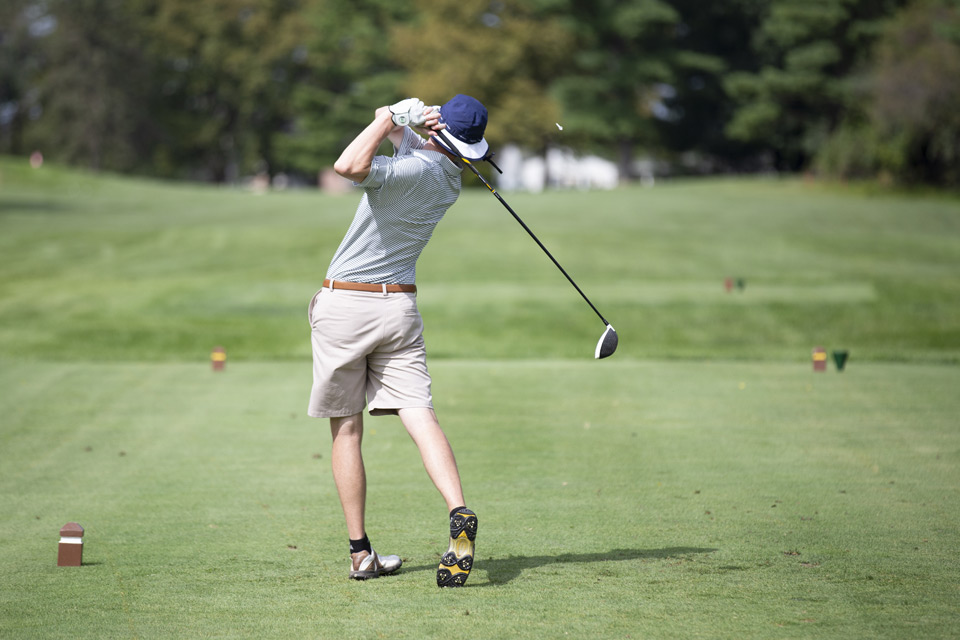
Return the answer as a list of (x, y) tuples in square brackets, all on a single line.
[(525, 227)]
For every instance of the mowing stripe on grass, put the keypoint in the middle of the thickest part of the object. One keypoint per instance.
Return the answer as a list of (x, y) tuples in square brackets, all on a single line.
[(648, 293)]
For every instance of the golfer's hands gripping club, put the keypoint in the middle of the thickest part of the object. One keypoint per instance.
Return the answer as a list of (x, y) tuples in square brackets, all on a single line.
[(410, 112), (432, 123)]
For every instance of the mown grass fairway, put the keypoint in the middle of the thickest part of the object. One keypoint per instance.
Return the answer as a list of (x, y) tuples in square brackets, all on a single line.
[(641, 499), (112, 269), (703, 482)]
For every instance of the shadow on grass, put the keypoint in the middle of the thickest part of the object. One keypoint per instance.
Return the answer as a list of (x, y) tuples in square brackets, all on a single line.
[(503, 570)]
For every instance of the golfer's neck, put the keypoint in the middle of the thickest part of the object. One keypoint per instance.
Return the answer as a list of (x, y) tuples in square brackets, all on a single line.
[(433, 146)]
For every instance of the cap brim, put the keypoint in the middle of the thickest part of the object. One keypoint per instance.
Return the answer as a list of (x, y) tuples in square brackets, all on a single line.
[(475, 151)]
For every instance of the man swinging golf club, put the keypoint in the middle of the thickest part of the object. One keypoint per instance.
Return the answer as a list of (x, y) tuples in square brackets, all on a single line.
[(366, 331)]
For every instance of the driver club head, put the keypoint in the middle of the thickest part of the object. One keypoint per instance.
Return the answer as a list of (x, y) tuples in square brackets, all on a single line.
[(607, 344)]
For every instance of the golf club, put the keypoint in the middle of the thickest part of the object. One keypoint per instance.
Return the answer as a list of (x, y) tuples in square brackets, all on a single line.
[(608, 341)]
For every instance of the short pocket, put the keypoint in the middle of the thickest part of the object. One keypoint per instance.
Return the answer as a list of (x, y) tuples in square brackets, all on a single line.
[(313, 303)]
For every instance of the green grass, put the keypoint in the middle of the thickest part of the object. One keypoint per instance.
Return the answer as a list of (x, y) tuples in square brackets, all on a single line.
[(703, 482), (112, 269), (641, 499)]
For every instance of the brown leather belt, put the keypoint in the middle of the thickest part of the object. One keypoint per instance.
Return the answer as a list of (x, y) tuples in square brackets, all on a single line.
[(372, 288)]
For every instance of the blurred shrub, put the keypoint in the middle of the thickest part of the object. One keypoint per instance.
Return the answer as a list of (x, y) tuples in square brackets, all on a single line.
[(910, 126)]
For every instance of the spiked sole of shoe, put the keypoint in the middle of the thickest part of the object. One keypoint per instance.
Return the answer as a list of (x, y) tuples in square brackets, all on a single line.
[(456, 563)]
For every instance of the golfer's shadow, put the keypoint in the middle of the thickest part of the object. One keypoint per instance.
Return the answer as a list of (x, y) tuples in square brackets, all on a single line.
[(503, 570)]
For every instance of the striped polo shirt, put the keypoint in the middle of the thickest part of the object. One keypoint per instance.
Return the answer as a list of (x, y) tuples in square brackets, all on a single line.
[(404, 197)]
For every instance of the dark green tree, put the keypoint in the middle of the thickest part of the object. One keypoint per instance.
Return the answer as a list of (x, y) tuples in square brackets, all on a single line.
[(621, 64), (713, 40), (914, 88), (224, 72), (86, 86), (350, 69), (506, 53), (19, 62), (807, 51), (907, 127)]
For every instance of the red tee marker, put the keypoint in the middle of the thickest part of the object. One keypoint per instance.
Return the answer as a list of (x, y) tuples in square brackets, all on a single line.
[(819, 359), (218, 358)]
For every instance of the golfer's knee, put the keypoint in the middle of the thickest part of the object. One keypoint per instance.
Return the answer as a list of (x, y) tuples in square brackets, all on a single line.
[(419, 419), (347, 426)]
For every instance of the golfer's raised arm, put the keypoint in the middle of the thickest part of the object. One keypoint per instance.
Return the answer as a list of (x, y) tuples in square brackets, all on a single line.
[(354, 163)]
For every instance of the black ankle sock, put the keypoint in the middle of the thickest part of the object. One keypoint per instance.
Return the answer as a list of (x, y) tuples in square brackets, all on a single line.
[(455, 510), (363, 544)]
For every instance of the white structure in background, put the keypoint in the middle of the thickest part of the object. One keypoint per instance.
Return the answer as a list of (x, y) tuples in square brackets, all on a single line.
[(561, 169), (510, 160), (645, 169)]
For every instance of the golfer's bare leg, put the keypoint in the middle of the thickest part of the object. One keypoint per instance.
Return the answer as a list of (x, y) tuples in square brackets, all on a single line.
[(348, 471), (441, 466)]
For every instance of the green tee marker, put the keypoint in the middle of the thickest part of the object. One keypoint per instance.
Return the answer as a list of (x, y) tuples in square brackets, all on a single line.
[(840, 358)]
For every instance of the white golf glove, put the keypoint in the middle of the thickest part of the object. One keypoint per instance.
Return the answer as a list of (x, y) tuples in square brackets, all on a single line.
[(408, 112)]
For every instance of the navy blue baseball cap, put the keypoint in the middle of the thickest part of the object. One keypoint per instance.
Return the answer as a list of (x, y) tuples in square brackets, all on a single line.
[(466, 120)]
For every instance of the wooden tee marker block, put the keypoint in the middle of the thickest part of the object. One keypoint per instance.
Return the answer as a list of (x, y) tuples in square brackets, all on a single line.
[(71, 545), (819, 359), (218, 358)]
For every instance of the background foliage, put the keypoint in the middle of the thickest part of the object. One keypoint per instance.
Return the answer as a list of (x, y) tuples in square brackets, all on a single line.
[(222, 89)]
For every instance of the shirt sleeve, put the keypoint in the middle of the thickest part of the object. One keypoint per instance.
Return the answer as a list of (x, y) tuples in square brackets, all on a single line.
[(377, 175), (382, 167), (411, 142)]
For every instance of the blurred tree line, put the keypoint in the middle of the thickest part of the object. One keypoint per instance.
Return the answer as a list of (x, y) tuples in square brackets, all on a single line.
[(220, 89)]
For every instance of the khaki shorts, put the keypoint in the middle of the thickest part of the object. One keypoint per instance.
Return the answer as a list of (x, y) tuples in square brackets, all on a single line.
[(367, 350)]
